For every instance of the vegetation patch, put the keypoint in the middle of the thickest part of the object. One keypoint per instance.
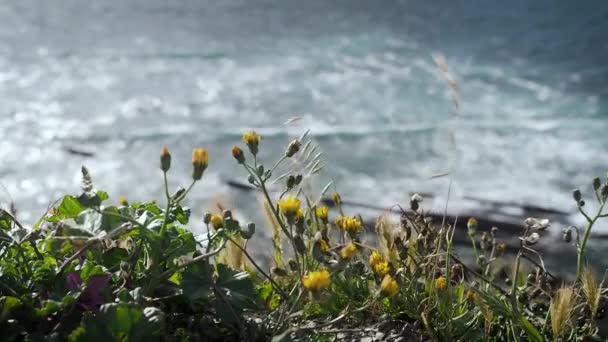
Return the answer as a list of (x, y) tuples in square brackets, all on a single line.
[(93, 271)]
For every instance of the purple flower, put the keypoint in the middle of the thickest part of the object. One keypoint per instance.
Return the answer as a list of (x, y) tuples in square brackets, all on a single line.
[(91, 297)]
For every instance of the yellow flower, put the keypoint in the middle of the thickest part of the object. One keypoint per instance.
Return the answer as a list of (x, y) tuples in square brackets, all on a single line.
[(299, 214), (382, 268), (348, 251), (289, 206), (316, 281), (252, 140), (375, 258), (200, 160), (217, 221), (389, 286), (322, 213), (441, 283), (123, 201), (349, 224)]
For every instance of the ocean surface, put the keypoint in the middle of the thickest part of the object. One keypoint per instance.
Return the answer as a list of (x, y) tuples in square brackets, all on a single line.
[(119, 79)]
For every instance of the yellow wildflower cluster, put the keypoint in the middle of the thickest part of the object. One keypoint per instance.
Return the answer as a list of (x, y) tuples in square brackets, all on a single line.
[(290, 206), (441, 283), (389, 286), (349, 224), (316, 281), (378, 264), (348, 251)]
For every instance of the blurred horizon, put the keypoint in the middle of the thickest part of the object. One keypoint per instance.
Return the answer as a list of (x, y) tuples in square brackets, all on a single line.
[(122, 79)]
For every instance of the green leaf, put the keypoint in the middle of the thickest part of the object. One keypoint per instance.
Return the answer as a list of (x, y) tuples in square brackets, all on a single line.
[(70, 207), (238, 286), (121, 322), (196, 281), (8, 305), (102, 195), (533, 333)]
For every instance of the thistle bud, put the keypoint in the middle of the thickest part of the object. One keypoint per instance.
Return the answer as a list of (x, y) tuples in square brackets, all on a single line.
[(200, 159), (576, 194), (165, 159), (293, 148), (238, 154)]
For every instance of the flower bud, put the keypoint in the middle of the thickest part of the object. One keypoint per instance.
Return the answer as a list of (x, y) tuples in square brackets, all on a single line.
[(291, 181), (604, 192), (532, 239), (472, 226), (576, 194), (279, 271), (165, 159), (337, 199), (597, 183), (415, 202), (293, 148), (567, 235), (252, 140), (226, 214), (238, 154), (207, 218), (299, 244), (293, 265), (123, 201), (200, 159)]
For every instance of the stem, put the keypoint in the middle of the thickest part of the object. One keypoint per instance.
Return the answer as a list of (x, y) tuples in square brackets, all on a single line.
[(581, 249), (274, 284)]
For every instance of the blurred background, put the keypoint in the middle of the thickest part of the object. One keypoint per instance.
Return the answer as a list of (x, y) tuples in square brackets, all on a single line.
[(116, 80)]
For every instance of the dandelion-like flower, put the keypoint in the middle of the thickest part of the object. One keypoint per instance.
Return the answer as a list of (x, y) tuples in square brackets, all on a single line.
[(375, 258), (200, 160), (316, 281), (252, 140), (348, 251), (382, 268), (123, 201), (289, 206), (389, 286), (322, 213), (351, 225), (441, 283), (217, 221)]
